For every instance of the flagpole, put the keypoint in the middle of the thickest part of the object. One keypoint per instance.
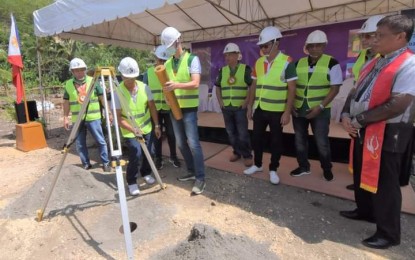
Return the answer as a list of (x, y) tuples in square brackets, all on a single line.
[(24, 96), (39, 64)]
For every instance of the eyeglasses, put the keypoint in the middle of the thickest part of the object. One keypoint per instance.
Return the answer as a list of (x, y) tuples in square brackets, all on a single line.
[(367, 36)]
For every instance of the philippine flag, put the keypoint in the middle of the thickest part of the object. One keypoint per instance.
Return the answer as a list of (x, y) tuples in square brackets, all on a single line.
[(15, 59)]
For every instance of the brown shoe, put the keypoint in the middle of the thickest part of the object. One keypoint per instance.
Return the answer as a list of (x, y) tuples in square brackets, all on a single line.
[(248, 162), (234, 158)]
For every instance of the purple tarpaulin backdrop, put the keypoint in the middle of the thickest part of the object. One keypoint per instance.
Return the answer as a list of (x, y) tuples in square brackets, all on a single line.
[(292, 44)]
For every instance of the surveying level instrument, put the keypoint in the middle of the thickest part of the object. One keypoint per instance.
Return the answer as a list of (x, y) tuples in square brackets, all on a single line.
[(100, 74)]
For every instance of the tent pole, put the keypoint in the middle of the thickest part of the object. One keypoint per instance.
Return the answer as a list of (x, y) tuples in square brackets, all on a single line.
[(42, 93)]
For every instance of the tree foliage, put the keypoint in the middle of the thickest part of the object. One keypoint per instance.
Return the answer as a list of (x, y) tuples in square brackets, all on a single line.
[(55, 53)]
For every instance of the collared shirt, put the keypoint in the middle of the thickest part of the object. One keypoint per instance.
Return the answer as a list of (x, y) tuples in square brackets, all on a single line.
[(402, 84), (247, 77), (289, 73), (98, 91)]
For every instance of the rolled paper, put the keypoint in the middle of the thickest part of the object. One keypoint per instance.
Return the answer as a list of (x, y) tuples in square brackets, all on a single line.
[(169, 95)]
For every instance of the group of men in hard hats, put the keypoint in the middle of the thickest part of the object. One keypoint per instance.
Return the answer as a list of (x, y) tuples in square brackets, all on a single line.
[(378, 114)]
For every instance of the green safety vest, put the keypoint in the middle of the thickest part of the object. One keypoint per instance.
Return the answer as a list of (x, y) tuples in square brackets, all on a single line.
[(93, 112), (186, 97), (317, 86), (235, 94), (271, 91), (157, 90), (139, 109), (361, 60)]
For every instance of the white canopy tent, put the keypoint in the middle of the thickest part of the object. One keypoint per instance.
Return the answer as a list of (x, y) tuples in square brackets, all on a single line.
[(138, 23)]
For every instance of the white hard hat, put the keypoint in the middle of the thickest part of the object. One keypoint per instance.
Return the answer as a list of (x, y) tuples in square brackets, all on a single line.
[(129, 68), (370, 25), (77, 63), (161, 53), (268, 34), (169, 35), (231, 47), (316, 36)]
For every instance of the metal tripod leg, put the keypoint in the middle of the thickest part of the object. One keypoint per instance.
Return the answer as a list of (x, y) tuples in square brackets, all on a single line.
[(140, 139), (100, 72), (71, 138), (117, 153)]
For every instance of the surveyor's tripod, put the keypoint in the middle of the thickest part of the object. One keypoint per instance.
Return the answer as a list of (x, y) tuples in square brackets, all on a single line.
[(99, 76)]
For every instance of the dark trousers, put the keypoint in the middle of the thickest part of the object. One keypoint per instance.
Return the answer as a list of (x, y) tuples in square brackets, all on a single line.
[(164, 121), (263, 119), (385, 205), (236, 124), (320, 127)]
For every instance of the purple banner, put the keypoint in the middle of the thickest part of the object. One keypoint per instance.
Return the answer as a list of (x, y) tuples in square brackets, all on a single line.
[(339, 45)]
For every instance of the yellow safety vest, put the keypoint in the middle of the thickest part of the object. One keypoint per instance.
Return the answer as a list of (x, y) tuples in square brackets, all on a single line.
[(361, 60), (157, 90), (93, 112), (271, 91), (235, 94), (187, 98), (317, 86), (139, 109)]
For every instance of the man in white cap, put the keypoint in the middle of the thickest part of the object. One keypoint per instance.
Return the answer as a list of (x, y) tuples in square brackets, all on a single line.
[(232, 84), (319, 80), (272, 97), (141, 104), (163, 109), (75, 93), (184, 70)]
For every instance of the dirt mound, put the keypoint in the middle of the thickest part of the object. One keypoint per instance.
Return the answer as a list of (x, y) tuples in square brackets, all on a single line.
[(207, 243), (75, 190)]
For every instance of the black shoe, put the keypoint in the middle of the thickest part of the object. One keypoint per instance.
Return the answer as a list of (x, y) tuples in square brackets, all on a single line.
[(107, 168), (353, 214), (328, 175), (159, 163), (176, 163), (87, 167), (299, 172), (378, 242), (188, 177), (350, 187)]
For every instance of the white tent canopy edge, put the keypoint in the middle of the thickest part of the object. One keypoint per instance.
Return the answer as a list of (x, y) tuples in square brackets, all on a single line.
[(139, 23)]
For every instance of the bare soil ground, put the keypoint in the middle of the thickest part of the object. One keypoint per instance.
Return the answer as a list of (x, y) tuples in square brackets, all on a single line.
[(237, 217)]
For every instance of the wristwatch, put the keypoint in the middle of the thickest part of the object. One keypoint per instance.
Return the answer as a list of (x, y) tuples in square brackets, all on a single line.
[(157, 126), (321, 107)]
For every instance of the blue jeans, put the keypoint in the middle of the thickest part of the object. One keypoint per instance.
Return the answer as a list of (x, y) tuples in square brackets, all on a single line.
[(236, 124), (187, 138), (263, 119), (135, 154), (320, 127), (95, 128)]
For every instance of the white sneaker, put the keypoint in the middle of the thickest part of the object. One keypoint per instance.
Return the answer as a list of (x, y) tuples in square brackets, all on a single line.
[(133, 189), (149, 179), (273, 177), (253, 169)]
